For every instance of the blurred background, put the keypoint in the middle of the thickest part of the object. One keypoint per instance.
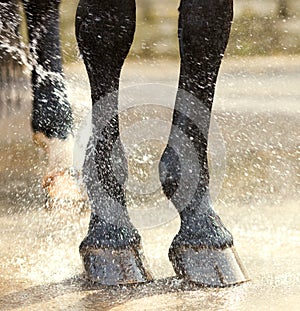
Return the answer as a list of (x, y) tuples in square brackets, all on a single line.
[(260, 28)]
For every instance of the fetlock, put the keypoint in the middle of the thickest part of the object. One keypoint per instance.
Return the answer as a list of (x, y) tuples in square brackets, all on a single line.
[(202, 231), (102, 234)]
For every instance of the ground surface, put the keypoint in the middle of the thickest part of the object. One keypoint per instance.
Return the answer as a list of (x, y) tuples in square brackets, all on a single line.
[(254, 185)]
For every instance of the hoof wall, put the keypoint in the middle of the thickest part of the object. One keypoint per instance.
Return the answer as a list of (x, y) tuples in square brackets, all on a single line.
[(208, 267), (114, 267)]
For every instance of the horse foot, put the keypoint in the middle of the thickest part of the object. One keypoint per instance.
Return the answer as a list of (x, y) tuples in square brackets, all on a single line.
[(208, 267), (64, 190), (61, 182), (108, 266)]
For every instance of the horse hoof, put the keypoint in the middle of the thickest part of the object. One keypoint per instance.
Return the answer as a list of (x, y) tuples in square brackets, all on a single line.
[(63, 190), (208, 267), (108, 266), (66, 206)]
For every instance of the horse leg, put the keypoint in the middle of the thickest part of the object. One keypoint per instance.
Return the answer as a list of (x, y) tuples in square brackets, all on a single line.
[(202, 251), (111, 251), (52, 120), (52, 113)]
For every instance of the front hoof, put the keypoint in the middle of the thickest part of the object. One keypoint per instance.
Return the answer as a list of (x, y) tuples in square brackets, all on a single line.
[(208, 267), (107, 266)]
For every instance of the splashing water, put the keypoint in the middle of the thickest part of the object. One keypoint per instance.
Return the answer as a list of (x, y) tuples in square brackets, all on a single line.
[(255, 110)]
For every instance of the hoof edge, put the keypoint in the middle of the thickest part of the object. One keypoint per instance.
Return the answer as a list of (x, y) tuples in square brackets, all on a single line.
[(208, 267), (115, 267)]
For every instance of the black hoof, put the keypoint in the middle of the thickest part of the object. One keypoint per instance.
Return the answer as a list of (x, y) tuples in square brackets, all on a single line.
[(107, 266), (208, 267)]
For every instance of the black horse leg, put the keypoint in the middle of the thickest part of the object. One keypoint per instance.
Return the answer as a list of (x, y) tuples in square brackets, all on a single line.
[(52, 120), (202, 251), (52, 113), (111, 251)]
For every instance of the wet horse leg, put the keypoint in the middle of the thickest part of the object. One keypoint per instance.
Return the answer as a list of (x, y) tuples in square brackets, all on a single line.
[(202, 251), (52, 120), (111, 251), (52, 114)]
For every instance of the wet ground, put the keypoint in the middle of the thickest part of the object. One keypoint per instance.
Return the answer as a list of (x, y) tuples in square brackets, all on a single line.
[(254, 150)]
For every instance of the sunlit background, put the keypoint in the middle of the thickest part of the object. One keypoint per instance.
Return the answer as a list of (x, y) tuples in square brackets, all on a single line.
[(269, 27)]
